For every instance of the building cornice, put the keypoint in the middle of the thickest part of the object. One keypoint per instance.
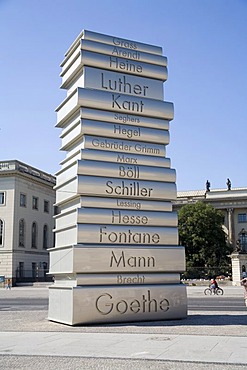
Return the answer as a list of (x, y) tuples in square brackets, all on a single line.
[(14, 167)]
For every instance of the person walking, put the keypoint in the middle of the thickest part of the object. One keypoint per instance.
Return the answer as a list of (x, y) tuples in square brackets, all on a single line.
[(8, 285), (244, 284)]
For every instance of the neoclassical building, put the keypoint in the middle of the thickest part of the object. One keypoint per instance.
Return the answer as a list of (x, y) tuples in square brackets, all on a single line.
[(26, 221), (233, 203)]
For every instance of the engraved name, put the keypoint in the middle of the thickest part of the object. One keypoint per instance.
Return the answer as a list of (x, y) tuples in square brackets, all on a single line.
[(121, 145), (127, 237), (120, 260), (129, 133), (133, 189), (124, 43), (130, 279), (125, 65), (129, 172), (106, 304), (128, 204), (126, 118), (123, 85), (125, 159), (126, 53), (120, 218), (119, 103)]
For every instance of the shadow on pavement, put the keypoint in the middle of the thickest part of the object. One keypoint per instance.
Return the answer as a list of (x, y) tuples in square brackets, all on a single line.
[(193, 320)]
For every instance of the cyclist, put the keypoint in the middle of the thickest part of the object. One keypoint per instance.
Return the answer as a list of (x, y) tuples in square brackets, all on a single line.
[(214, 285)]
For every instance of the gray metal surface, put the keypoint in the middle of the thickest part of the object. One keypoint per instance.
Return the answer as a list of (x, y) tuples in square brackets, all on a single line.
[(100, 79), (117, 259), (119, 103), (115, 217), (114, 63), (80, 152), (129, 159), (121, 171), (113, 50), (125, 204), (126, 132), (123, 146), (118, 41), (107, 80), (92, 185), (116, 50), (113, 187), (119, 217), (94, 304), (116, 234), (115, 44), (116, 279), (122, 118)]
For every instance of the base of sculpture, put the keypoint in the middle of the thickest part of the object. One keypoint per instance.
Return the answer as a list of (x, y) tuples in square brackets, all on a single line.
[(115, 304), (239, 266)]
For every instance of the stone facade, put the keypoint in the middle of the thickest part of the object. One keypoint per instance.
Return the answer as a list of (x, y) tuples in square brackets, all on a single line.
[(233, 203), (26, 221)]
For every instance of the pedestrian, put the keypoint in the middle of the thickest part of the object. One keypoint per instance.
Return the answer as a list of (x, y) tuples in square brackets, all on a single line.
[(244, 284), (8, 285)]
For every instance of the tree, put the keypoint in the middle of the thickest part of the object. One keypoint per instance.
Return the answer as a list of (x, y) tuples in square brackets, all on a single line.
[(201, 233)]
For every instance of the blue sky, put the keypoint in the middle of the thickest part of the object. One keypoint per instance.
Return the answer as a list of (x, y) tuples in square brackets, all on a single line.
[(204, 41)]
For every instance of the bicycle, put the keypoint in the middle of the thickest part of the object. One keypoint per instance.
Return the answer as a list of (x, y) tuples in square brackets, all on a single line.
[(218, 291)]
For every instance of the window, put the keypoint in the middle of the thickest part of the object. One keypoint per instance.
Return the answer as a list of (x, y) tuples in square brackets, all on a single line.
[(243, 241), (34, 235), (21, 269), (34, 270), (21, 233), (45, 269), (35, 203), (46, 206), (2, 198), (23, 200), (242, 217), (45, 237), (1, 233)]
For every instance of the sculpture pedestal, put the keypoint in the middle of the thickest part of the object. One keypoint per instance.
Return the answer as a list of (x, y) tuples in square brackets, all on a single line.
[(97, 304), (239, 266)]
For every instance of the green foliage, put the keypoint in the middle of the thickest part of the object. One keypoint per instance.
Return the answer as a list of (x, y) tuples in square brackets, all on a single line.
[(200, 231)]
